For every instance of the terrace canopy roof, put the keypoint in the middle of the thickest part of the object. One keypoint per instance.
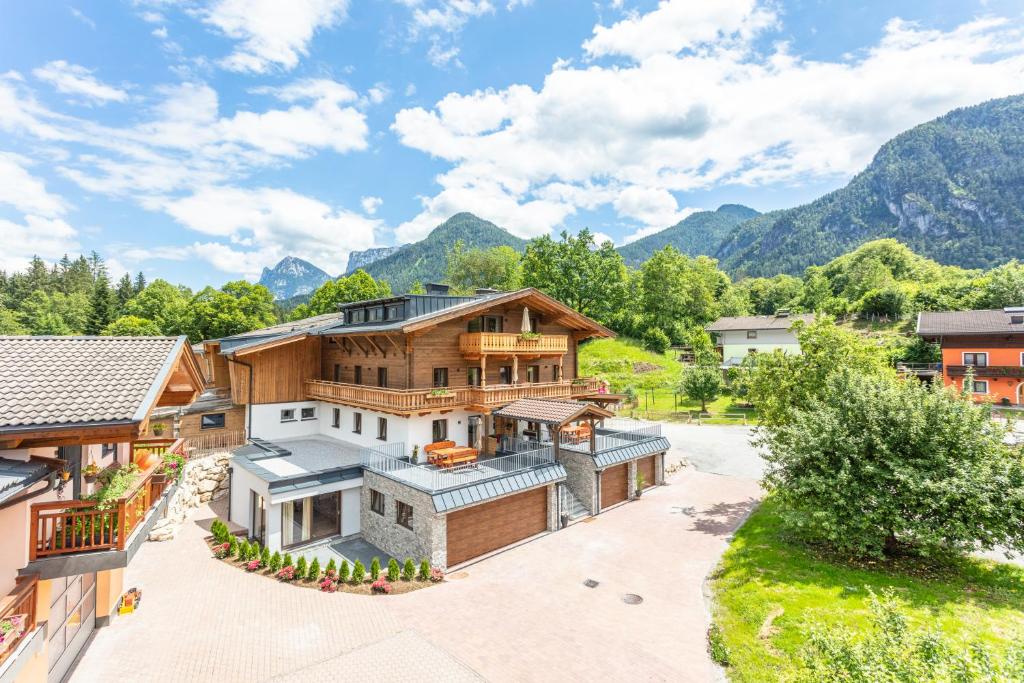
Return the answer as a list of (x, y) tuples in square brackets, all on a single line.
[(551, 412)]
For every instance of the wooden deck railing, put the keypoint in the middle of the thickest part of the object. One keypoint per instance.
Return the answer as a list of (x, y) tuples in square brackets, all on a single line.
[(476, 343), (19, 608), (410, 400), (77, 526), (202, 444), (1013, 371), (160, 445)]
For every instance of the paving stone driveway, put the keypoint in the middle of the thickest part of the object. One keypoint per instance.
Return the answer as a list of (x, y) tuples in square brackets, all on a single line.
[(521, 615)]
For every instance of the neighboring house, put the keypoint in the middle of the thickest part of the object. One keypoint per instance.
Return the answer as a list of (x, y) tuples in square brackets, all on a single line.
[(68, 403), (989, 344), (738, 337), (428, 425)]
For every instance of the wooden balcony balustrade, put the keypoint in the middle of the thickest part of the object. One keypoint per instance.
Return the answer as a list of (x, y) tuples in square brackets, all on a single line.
[(77, 526), (412, 400), (476, 344), (18, 608), (1012, 371)]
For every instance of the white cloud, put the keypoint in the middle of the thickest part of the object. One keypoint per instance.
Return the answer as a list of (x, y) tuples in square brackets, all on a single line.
[(719, 114), (602, 237), (72, 79), (160, 33), (439, 22), (25, 192), (47, 238), (82, 17), (272, 33), (371, 204)]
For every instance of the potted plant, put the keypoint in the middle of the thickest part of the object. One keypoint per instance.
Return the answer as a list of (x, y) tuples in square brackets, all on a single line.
[(565, 520), (415, 454), (439, 392), (11, 628), (529, 336), (90, 471), (159, 428), (641, 482)]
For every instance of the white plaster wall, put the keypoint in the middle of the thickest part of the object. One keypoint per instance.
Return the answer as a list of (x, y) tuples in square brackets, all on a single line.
[(398, 427), (274, 527), (735, 343), (242, 482), (266, 420), (350, 500), (13, 544)]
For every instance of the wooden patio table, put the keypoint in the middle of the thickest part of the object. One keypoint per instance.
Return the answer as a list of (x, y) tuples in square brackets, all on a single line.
[(447, 457)]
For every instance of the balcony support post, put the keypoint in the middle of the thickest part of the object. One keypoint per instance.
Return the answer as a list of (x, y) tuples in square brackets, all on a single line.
[(515, 369), (483, 371)]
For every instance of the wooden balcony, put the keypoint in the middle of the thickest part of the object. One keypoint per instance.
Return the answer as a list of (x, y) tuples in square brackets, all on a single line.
[(476, 344), (80, 526), (980, 371), (18, 610), (407, 401)]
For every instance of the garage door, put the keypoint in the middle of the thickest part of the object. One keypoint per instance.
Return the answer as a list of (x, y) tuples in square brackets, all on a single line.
[(645, 468), (72, 620), (614, 485), (481, 529)]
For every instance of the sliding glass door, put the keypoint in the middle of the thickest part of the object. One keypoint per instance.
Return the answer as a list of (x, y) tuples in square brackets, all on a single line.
[(309, 519)]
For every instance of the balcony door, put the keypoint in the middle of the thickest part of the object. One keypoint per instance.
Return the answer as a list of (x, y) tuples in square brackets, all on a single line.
[(309, 519), (358, 376)]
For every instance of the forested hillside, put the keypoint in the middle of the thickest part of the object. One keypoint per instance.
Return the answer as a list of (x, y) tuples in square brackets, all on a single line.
[(951, 189), (699, 233), (424, 261)]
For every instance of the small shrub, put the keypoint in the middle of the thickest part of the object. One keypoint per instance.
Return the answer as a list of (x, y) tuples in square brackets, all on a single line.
[(358, 572), (436, 575), (243, 551), (252, 565), (216, 531), (314, 570), (265, 558), (221, 551), (287, 561), (254, 550), (716, 646), (375, 569), (301, 568), (275, 562), (344, 573), (393, 570), (424, 574), (408, 570), (332, 567), (655, 340), (287, 573), (328, 585), (381, 586), (232, 546)]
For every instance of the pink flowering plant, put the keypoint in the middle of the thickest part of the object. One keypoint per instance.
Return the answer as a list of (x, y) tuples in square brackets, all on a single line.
[(436, 575), (328, 585), (11, 628), (221, 551), (286, 573), (381, 586), (252, 565)]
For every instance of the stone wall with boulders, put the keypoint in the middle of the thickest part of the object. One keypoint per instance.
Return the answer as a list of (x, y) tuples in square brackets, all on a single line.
[(204, 479)]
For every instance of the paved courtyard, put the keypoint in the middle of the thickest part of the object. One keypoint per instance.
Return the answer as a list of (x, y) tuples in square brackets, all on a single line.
[(521, 615)]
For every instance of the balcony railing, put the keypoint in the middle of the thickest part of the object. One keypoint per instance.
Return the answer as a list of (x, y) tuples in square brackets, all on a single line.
[(987, 370), (411, 400), (18, 613), (387, 460), (479, 343), (919, 368), (613, 433), (78, 526)]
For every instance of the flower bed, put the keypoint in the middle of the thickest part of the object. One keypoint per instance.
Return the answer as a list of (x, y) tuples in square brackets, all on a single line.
[(394, 579)]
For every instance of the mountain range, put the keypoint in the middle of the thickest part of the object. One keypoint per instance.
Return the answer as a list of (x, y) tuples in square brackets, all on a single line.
[(951, 189)]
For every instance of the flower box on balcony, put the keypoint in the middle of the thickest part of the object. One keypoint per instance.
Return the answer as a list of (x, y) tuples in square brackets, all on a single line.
[(11, 630)]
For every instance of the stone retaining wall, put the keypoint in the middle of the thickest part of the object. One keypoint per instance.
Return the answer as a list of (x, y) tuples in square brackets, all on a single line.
[(204, 479)]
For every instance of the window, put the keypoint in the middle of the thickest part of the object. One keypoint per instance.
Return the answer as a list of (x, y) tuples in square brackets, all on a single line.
[(382, 377), (533, 373), (393, 312), (751, 334), (980, 386), (358, 374), (473, 375), (376, 314), (357, 316), (337, 372), (751, 352), (211, 421), (439, 430), (978, 360), (111, 448), (485, 323), (440, 377), (288, 415), (377, 501), (556, 373), (308, 519), (382, 428), (404, 516), (1022, 358), (357, 423), (336, 419), (505, 374), (309, 413)]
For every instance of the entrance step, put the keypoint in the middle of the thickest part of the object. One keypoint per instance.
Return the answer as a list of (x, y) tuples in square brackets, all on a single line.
[(572, 505)]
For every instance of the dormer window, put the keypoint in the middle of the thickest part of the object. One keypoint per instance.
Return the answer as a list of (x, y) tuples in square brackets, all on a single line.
[(393, 312), (1017, 319), (357, 315), (376, 314)]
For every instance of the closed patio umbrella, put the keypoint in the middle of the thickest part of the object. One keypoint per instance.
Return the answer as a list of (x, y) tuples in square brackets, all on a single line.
[(526, 319)]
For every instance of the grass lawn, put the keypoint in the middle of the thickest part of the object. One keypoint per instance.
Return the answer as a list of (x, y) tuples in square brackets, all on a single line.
[(769, 588)]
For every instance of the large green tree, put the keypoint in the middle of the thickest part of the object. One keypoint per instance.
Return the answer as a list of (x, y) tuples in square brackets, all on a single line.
[(237, 307), (359, 286), (102, 305), (874, 464), (167, 305), (9, 323), (701, 383), (494, 268), (678, 291), (1005, 286), (132, 326), (577, 272)]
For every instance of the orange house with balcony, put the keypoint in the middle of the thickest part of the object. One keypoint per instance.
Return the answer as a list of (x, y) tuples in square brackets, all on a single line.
[(987, 344)]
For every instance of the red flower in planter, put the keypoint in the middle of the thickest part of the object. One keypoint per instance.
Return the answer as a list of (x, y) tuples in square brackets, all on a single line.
[(328, 586), (381, 586), (436, 575), (221, 551), (286, 573), (252, 565)]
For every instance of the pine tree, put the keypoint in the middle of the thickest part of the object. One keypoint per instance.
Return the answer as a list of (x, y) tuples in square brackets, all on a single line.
[(140, 282), (375, 569), (314, 570), (125, 291), (102, 307)]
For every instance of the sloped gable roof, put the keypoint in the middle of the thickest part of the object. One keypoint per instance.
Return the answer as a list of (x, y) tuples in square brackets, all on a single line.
[(968, 322)]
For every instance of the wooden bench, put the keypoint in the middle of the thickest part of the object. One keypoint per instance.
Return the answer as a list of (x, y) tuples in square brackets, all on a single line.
[(450, 457)]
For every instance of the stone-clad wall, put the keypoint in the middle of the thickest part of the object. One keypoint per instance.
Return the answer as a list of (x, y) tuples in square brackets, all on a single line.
[(427, 539), (581, 478), (204, 479)]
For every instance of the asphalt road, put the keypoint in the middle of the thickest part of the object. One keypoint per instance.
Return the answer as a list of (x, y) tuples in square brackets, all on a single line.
[(715, 449)]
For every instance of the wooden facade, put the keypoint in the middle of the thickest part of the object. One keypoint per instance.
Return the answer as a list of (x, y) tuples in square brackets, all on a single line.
[(279, 372)]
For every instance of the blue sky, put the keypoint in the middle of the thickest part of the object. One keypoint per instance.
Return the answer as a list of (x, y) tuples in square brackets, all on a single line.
[(201, 140)]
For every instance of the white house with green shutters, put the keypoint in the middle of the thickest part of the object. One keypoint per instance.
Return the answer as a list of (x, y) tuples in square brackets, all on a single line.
[(738, 337)]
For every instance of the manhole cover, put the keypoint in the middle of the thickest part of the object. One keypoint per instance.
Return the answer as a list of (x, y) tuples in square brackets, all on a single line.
[(590, 583), (632, 599), (457, 575)]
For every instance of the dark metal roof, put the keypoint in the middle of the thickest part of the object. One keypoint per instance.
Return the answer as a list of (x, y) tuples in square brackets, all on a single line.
[(18, 475), (299, 463), (623, 453), (478, 493), (969, 322), (757, 322)]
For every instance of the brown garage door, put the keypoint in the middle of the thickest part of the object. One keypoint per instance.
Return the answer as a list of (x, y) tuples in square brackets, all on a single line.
[(645, 467), (481, 529), (614, 485)]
